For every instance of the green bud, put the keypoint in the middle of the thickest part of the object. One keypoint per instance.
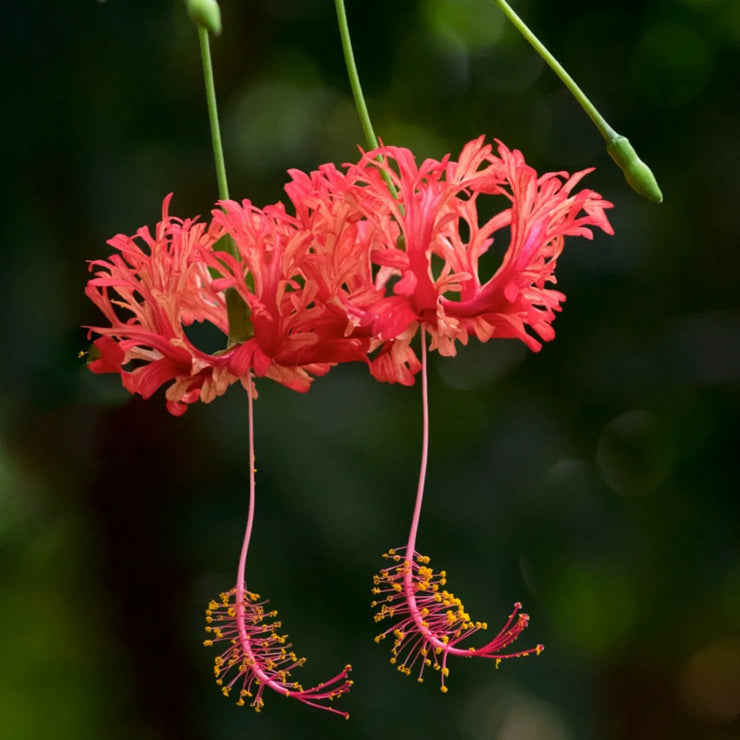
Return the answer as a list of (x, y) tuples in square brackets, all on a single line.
[(639, 176), (206, 14)]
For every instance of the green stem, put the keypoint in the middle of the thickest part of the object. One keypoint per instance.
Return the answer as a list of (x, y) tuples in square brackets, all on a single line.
[(354, 81), (354, 78), (218, 150), (636, 172), (604, 128), (237, 311)]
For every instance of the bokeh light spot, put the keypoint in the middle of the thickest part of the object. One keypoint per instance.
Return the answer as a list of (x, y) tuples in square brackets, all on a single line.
[(633, 453), (507, 712), (474, 24), (593, 607), (710, 682)]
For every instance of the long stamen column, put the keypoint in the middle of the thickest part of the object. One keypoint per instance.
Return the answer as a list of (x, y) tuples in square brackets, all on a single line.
[(429, 622), (257, 656)]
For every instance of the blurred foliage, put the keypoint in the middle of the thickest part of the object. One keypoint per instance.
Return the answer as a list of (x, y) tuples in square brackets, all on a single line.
[(596, 481)]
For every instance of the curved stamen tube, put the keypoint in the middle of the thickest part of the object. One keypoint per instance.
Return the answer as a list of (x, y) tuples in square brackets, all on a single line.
[(257, 656), (429, 622)]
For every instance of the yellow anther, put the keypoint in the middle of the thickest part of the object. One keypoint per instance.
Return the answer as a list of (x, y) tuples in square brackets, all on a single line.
[(443, 689)]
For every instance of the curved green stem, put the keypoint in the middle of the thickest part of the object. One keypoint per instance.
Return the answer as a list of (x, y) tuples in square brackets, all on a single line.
[(604, 128), (354, 78), (354, 81), (237, 311), (218, 150), (636, 172)]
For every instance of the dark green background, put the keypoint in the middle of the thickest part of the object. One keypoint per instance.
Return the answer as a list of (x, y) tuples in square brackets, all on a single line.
[(595, 481)]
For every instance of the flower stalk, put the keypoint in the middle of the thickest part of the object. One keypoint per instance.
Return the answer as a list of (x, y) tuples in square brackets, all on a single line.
[(638, 175), (207, 18), (354, 81), (354, 77), (218, 150)]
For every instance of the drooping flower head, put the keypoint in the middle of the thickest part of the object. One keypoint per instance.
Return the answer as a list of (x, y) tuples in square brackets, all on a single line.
[(157, 285), (426, 229)]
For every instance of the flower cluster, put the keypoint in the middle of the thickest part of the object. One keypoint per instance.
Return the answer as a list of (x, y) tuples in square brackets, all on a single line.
[(369, 256), (374, 252)]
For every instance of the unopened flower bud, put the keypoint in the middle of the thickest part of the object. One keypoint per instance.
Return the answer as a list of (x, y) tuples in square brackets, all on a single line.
[(639, 176), (205, 13)]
